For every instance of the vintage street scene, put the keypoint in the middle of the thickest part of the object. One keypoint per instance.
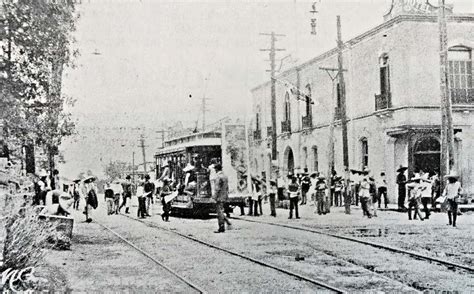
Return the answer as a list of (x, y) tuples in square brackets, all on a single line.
[(213, 146)]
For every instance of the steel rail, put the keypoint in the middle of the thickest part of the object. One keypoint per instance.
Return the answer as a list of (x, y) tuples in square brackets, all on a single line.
[(373, 244), (251, 259), (186, 281)]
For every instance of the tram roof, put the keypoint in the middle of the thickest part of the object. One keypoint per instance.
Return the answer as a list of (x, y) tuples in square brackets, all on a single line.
[(210, 138)]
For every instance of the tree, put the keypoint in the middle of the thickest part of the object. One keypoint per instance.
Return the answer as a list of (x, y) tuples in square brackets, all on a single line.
[(116, 169), (39, 46)]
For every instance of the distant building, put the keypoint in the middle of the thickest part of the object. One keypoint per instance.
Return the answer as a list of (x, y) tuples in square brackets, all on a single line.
[(393, 101)]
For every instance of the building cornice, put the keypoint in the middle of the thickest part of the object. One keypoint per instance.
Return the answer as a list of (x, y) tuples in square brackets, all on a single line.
[(456, 108), (354, 41)]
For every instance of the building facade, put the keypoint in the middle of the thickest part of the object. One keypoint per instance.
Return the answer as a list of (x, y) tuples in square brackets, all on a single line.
[(392, 99)]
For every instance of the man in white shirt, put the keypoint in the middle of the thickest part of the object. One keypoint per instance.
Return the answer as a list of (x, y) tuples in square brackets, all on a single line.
[(381, 184), (452, 191)]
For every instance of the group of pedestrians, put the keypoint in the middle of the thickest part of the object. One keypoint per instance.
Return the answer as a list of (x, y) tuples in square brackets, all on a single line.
[(58, 196)]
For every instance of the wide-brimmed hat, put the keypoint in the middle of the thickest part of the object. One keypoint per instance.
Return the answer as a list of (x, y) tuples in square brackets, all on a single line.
[(256, 179), (401, 169), (272, 182), (89, 179), (425, 177), (188, 167), (314, 174), (452, 175), (416, 177)]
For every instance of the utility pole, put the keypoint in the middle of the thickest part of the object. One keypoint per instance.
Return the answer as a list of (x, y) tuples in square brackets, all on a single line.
[(272, 71), (142, 146), (204, 110), (133, 167), (343, 112), (447, 133), (162, 131), (331, 152), (342, 89)]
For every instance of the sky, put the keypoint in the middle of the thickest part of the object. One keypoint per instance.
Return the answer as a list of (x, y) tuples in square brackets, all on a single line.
[(141, 60)]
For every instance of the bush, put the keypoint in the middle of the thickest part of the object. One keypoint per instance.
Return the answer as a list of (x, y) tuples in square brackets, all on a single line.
[(26, 236)]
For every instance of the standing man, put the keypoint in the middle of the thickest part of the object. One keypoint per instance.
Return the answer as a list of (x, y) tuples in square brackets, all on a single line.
[(272, 195), (402, 190), (149, 189), (221, 195), (293, 190), (452, 192), (364, 194), (127, 194), (382, 189), (425, 187), (165, 191), (109, 198), (305, 185)]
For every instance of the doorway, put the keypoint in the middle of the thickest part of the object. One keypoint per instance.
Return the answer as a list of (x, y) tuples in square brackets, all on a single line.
[(426, 155)]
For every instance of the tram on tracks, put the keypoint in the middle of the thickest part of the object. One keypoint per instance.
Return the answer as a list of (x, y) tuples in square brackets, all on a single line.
[(185, 162)]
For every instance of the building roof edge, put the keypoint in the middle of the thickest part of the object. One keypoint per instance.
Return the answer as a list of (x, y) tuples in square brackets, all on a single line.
[(353, 41)]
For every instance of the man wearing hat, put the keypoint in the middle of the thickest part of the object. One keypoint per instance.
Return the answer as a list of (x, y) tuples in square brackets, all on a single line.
[(149, 189), (402, 191), (305, 185), (415, 195), (127, 194), (452, 192), (272, 195), (221, 195), (166, 206), (109, 198), (293, 190)]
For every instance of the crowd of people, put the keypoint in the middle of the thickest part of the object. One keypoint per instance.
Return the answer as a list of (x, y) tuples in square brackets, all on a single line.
[(419, 192), (363, 189)]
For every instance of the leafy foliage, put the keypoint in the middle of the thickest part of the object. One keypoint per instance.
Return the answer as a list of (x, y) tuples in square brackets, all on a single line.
[(38, 46), (115, 169)]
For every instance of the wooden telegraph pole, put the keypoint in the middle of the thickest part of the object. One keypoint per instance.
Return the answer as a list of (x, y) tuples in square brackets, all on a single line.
[(272, 71), (204, 110), (342, 89), (142, 146), (447, 133)]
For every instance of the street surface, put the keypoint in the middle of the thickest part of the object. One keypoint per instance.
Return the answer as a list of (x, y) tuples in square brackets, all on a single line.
[(99, 260)]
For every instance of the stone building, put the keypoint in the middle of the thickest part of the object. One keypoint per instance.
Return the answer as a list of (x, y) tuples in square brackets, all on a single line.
[(393, 101)]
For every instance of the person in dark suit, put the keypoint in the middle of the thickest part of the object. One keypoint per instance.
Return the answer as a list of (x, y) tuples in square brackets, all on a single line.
[(221, 195), (402, 190)]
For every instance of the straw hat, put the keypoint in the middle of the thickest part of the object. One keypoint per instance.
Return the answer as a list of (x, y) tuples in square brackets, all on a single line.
[(452, 175), (416, 177), (401, 168), (188, 168)]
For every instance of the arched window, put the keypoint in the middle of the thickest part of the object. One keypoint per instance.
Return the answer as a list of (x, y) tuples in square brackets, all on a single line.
[(365, 152), (460, 74), (287, 109)]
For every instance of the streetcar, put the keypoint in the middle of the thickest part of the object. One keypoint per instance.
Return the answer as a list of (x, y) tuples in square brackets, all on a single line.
[(184, 161)]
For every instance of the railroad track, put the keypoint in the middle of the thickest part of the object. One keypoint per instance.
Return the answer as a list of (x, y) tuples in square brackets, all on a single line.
[(450, 265), (242, 256), (154, 260)]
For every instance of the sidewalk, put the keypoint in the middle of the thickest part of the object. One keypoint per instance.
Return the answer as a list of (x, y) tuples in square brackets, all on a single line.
[(99, 262)]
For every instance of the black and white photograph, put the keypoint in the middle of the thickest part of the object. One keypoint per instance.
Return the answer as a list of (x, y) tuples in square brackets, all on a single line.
[(236, 146)]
